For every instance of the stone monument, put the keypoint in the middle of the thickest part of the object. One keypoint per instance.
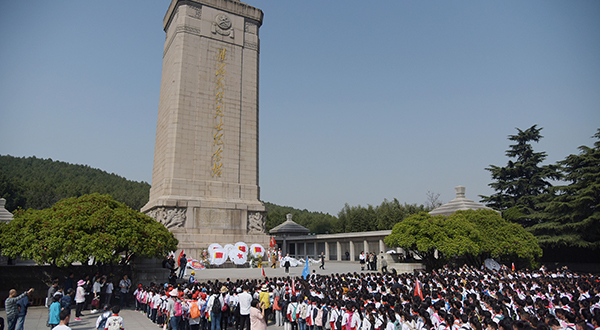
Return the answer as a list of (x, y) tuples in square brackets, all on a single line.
[(205, 176)]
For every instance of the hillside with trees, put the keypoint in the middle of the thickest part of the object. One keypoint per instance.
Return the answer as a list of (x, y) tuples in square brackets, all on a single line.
[(36, 183)]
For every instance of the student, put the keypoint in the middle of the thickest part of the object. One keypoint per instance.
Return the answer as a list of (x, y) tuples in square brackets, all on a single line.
[(54, 312), (114, 321), (64, 316)]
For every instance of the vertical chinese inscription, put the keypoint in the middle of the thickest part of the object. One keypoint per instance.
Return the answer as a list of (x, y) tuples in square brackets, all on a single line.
[(217, 158)]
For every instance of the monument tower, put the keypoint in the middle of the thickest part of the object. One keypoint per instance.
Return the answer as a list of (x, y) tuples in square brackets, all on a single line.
[(205, 176)]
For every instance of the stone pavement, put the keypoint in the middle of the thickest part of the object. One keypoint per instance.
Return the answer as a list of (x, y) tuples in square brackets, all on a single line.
[(37, 315), (331, 267)]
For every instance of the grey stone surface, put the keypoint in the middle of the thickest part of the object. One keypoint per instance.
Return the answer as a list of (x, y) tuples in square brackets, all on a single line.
[(459, 203), (205, 174), (4, 214)]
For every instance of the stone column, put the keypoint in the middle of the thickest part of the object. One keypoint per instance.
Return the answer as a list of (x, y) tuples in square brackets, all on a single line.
[(317, 254), (365, 246), (339, 250), (327, 250), (381, 246), (351, 243)]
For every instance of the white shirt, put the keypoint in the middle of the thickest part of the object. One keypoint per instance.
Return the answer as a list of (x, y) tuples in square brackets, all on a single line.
[(244, 299)]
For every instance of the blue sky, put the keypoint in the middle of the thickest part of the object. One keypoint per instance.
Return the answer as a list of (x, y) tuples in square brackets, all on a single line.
[(359, 100)]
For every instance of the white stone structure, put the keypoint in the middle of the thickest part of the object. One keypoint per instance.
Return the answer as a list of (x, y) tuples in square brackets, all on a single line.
[(205, 176), (5, 216), (461, 202)]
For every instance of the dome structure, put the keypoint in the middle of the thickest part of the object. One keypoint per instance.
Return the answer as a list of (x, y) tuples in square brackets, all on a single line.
[(289, 228), (5, 216), (459, 203)]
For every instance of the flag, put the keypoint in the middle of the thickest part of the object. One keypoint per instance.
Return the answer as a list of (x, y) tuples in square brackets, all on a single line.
[(513, 266), (179, 259), (418, 289), (263, 271), (306, 271), (293, 286), (272, 243)]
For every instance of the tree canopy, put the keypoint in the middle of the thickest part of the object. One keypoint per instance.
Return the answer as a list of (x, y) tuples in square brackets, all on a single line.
[(572, 212), (472, 234), (88, 228), (381, 217), (521, 181)]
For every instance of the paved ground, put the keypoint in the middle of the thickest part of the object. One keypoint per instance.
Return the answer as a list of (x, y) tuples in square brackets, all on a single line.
[(37, 316), (331, 267)]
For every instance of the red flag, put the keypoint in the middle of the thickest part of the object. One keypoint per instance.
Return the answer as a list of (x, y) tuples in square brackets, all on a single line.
[(418, 289), (513, 266), (179, 259), (293, 286), (263, 271), (219, 255), (272, 243), (242, 248), (257, 249)]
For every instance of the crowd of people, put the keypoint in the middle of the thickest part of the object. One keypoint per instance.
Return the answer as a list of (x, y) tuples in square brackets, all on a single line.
[(460, 299), (447, 299)]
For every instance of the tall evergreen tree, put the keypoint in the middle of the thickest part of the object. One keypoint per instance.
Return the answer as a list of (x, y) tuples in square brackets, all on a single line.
[(518, 184), (573, 214)]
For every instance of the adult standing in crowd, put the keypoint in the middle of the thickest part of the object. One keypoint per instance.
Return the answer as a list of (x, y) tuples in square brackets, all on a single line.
[(22, 305), (257, 315), (182, 265), (51, 291), (12, 308), (124, 286), (79, 299), (97, 290), (108, 292), (245, 300)]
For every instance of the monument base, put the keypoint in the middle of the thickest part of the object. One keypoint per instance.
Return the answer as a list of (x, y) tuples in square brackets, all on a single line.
[(197, 224)]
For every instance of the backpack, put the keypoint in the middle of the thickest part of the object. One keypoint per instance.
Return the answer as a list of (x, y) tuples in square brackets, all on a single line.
[(216, 307), (276, 305), (303, 311), (338, 322), (102, 323), (319, 318), (194, 310), (178, 309), (114, 323)]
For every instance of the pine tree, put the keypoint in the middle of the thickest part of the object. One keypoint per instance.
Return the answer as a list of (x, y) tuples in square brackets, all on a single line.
[(573, 213), (521, 181)]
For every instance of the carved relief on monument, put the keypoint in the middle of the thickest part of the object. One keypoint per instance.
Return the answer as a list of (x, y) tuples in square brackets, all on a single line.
[(256, 223), (222, 26), (195, 12), (251, 28), (170, 217)]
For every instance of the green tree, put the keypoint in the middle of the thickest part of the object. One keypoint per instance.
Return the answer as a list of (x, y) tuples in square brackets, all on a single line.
[(573, 212), (473, 235), (521, 181), (89, 228)]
